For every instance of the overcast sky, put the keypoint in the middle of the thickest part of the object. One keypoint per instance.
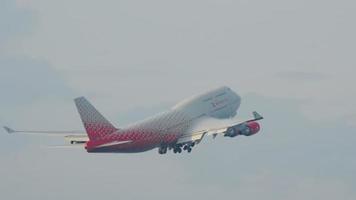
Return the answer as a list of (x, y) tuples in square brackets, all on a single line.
[(294, 61)]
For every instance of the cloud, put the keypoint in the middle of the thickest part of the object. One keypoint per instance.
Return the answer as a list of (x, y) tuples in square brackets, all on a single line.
[(25, 80), (301, 75), (273, 49), (31, 94), (15, 21)]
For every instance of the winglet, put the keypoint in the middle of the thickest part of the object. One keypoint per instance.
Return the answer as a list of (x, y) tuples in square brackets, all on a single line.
[(257, 116), (9, 130)]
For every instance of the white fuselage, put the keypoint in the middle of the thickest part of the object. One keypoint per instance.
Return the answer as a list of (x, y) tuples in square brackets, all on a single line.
[(168, 127)]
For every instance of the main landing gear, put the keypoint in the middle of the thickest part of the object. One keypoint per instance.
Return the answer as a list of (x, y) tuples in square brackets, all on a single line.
[(162, 150), (177, 148), (186, 147)]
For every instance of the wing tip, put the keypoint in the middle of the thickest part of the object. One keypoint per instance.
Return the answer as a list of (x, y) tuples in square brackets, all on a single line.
[(9, 130), (257, 116)]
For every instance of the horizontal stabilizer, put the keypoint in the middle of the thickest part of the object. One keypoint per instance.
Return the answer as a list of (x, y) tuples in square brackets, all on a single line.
[(9, 130), (43, 132), (81, 146)]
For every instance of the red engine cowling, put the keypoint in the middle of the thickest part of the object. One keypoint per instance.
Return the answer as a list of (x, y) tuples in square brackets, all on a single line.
[(254, 128), (246, 129)]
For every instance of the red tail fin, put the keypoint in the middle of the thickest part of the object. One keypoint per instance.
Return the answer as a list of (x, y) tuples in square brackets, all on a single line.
[(95, 124)]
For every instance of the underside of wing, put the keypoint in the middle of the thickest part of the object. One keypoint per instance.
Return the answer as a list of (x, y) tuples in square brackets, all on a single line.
[(191, 137), (214, 127)]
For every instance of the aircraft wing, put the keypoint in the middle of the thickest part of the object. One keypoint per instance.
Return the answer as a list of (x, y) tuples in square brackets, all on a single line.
[(73, 137), (214, 127)]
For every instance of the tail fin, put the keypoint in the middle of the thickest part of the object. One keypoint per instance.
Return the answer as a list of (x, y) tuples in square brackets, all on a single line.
[(95, 124)]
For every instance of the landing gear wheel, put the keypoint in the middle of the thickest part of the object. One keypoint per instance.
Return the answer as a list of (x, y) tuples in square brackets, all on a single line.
[(162, 150)]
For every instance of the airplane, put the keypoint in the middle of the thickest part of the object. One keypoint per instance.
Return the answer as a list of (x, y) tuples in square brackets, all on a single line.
[(178, 129)]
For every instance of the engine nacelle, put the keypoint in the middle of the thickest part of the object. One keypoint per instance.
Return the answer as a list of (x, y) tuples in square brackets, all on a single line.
[(246, 129), (254, 128)]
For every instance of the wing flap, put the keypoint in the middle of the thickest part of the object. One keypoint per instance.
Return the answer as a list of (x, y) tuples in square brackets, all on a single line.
[(194, 137), (217, 131)]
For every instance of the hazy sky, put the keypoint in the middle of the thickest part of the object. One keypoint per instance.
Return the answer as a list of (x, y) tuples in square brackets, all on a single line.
[(294, 61)]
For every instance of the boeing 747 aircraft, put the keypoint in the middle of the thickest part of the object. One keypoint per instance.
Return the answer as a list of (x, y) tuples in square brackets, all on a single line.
[(180, 128)]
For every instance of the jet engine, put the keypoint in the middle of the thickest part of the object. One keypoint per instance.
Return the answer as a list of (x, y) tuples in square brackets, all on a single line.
[(246, 129)]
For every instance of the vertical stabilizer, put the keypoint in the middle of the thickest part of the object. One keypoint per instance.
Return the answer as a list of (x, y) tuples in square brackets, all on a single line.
[(94, 123)]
